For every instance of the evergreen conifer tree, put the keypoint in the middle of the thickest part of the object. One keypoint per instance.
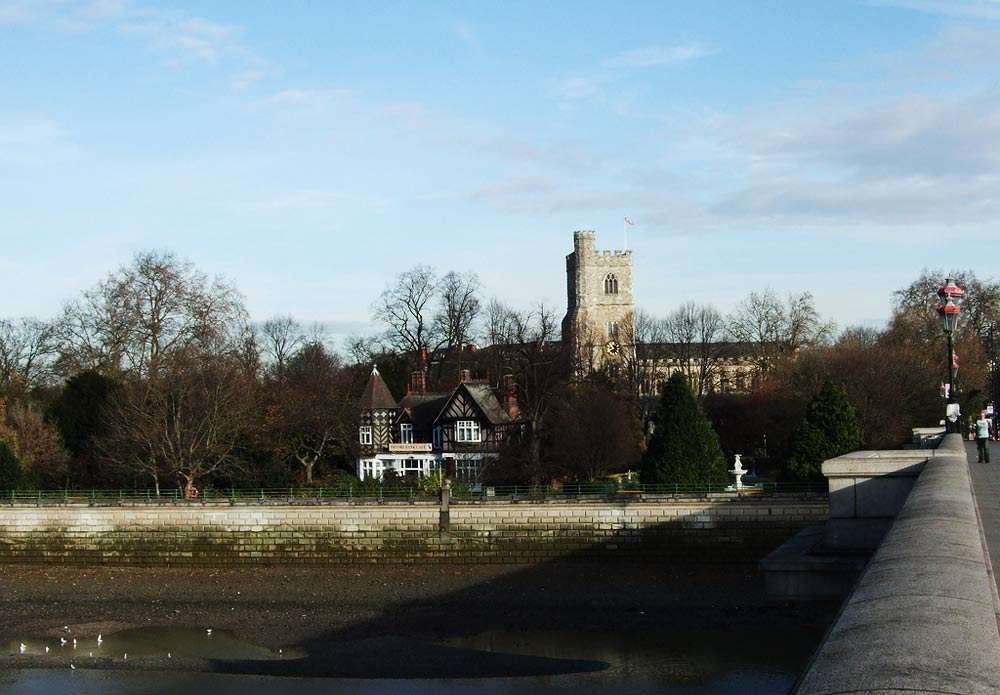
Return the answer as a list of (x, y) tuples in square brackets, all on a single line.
[(830, 429), (684, 449)]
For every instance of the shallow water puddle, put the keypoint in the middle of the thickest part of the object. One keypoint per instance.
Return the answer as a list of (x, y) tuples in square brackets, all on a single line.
[(151, 642)]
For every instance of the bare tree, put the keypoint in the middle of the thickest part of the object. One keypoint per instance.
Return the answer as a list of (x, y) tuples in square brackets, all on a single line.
[(773, 330), (310, 409), (133, 321), (593, 432), (281, 337), (27, 347), (38, 446), (183, 426), (459, 309), (405, 308), (695, 334), (540, 365)]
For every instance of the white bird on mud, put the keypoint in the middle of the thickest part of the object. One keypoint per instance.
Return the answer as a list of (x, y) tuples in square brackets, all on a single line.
[(24, 647), (74, 643), (209, 631), (62, 641), (46, 650), (72, 667), (99, 640), (125, 658)]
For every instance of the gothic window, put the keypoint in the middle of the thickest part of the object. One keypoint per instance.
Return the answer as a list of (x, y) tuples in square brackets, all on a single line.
[(612, 329), (610, 284)]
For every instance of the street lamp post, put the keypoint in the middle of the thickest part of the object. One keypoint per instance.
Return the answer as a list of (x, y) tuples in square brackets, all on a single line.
[(951, 296)]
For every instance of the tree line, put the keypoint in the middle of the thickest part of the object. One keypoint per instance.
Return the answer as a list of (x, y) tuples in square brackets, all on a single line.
[(156, 377)]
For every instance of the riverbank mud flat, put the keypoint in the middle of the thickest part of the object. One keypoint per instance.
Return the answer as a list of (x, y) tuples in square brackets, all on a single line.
[(375, 621)]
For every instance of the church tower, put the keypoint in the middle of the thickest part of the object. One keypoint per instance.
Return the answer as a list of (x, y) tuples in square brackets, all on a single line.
[(598, 301)]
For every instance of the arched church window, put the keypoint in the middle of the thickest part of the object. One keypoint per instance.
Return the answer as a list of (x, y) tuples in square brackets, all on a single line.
[(610, 284)]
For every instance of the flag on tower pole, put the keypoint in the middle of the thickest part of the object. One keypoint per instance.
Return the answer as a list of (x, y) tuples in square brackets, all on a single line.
[(625, 225)]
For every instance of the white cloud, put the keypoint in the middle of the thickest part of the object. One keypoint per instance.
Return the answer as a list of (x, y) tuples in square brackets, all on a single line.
[(305, 100), (593, 86), (466, 32), (656, 56), (968, 9)]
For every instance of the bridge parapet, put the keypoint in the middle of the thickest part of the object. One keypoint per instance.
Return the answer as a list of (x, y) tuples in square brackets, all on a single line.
[(922, 618)]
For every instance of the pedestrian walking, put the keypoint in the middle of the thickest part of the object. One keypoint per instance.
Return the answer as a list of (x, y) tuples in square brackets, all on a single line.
[(982, 439)]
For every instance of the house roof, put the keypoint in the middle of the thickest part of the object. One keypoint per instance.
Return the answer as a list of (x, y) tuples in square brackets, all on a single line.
[(423, 407), (376, 395), (482, 394)]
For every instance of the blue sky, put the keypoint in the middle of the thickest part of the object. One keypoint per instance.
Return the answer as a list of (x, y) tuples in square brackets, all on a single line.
[(310, 151)]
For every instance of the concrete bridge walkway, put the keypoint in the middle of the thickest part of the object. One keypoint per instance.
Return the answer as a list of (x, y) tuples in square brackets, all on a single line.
[(986, 485)]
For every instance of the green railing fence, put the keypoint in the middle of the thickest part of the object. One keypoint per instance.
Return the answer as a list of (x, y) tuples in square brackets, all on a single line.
[(460, 492)]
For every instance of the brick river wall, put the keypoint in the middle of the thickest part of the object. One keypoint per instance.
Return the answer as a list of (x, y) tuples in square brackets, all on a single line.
[(228, 534)]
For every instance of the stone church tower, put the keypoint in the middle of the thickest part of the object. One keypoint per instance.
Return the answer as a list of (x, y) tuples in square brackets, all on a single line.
[(598, 301)]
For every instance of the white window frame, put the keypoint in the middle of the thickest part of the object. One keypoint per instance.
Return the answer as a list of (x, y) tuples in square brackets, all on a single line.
[(467, 470), (467, 431), (405, 433), (365, 434)]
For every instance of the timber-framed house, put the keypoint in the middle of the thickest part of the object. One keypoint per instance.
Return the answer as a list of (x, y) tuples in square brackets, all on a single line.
[(456, 434)]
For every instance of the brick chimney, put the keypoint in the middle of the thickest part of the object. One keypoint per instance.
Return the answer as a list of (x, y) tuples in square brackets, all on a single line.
[(418, 382), (510, 398), (465, 376)]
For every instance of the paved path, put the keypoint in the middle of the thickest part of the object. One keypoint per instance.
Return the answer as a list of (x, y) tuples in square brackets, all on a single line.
[(986, 484)]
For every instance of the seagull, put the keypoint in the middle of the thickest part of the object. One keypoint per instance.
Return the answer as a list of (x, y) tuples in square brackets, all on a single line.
[(24, 647), (125, 658), (209, 630), (46, 650), (99, 640), (72, 667), (168, 656), (62, 641), (74, 643)]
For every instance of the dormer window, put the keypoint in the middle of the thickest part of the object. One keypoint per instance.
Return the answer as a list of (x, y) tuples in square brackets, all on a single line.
[(467, 431), (610, 284), (406, 433)]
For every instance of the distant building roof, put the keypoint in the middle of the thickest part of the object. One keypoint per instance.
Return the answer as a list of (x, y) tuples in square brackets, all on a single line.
[(376, 395)]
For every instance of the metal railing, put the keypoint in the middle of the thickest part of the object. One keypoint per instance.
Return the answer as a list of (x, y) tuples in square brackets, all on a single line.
[(460, 492)]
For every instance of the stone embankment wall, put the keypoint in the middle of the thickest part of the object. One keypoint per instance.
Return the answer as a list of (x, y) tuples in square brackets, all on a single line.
[(224, 533)]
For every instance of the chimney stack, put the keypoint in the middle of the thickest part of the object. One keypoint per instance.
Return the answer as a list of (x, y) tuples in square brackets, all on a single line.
[(418, 382), (465, 375), (510, 398)]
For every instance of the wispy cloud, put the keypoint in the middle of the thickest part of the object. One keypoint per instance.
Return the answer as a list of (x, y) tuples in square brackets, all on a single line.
[(656, 56), (966, 9), (27, 142), (466, 33), (306, 100), (600, 85), (179, 37)]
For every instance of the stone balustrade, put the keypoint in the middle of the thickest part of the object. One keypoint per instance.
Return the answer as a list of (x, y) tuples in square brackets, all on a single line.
[(923, 616)]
